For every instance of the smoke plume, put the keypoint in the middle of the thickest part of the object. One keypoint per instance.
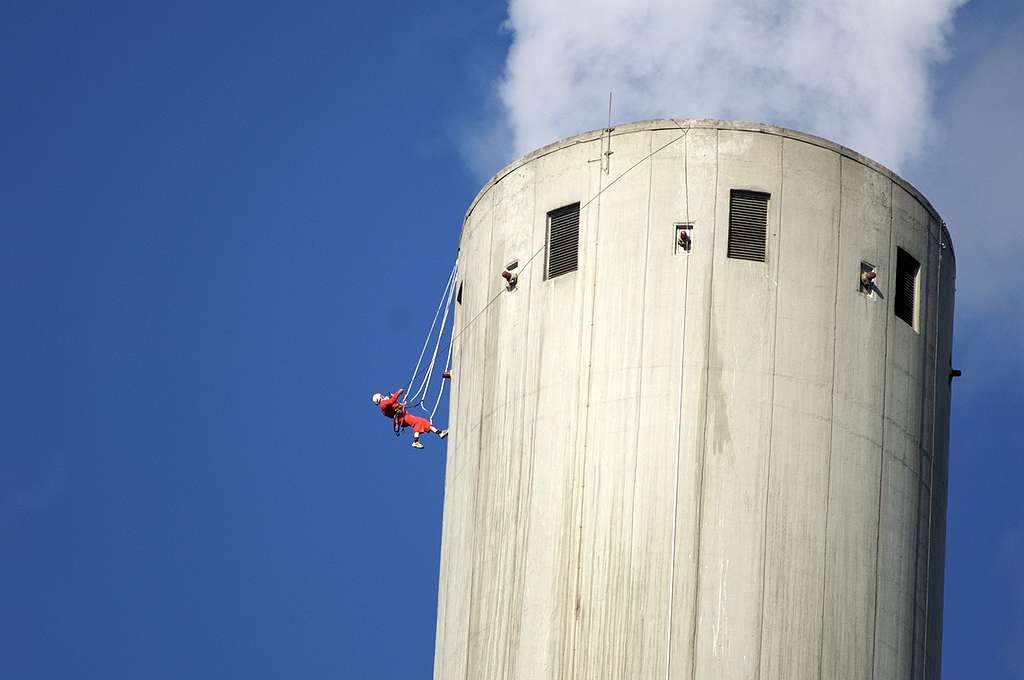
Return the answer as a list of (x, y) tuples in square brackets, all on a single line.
[(855, 71)]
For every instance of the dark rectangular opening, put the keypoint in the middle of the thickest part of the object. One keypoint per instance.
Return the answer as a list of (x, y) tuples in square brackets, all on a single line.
[(748, 224), (563, 241), (908, 271)]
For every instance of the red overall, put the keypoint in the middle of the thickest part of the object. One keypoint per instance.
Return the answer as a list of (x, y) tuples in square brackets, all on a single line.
[(390, 407)]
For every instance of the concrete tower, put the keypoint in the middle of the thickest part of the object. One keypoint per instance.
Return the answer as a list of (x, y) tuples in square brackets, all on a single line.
[(691, 442)]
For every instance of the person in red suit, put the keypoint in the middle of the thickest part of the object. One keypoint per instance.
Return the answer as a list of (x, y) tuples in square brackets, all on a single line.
[(395, 410)]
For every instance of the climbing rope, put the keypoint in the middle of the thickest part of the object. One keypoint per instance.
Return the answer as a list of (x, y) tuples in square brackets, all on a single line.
[(450, 286), (448, 295), (425, 384), (447, 372)]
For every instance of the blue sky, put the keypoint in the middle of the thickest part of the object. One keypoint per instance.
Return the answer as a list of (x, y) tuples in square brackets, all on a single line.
[(223, 225)]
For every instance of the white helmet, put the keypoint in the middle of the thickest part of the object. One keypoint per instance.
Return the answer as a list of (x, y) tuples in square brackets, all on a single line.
[(377, 396)]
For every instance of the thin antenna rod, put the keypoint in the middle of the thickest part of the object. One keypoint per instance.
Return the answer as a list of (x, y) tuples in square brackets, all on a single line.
[(608, 154)]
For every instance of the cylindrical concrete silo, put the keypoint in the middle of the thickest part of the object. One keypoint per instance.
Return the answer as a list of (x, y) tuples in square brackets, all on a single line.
[(721, 458)]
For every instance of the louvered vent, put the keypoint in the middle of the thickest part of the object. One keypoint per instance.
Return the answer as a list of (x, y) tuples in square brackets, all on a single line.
[(563, 241), (907, 269), (748, 224)]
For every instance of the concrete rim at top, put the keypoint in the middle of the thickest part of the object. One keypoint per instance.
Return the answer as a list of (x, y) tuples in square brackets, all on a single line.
[(713, 124)]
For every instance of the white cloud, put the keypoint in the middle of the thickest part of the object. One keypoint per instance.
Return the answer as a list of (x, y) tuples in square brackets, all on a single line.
[(859, 72), (855, 71), (973, 179)]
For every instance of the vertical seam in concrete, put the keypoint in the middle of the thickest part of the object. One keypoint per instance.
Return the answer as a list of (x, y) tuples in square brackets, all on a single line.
[(439, 636), (567, 621), (923, 338), (931, 477), (679, 425), (510, 656), (881, 465), (771, 399), (831, 423), (586, 424), (573, 519), (480, 458), (533, 456), (704, 436), (639, 403)]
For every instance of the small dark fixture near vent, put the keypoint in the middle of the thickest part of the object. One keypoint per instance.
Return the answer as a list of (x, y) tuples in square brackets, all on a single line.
[(563, 241), (748, 224), (684, 239), (908, 271)]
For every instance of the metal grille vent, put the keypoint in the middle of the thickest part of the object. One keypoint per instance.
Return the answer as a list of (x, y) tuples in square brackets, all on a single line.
[(563, 241), (748, 224), (907, 269)]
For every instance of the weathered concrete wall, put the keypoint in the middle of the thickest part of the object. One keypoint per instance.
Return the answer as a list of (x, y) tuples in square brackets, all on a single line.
[(680, 465)]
